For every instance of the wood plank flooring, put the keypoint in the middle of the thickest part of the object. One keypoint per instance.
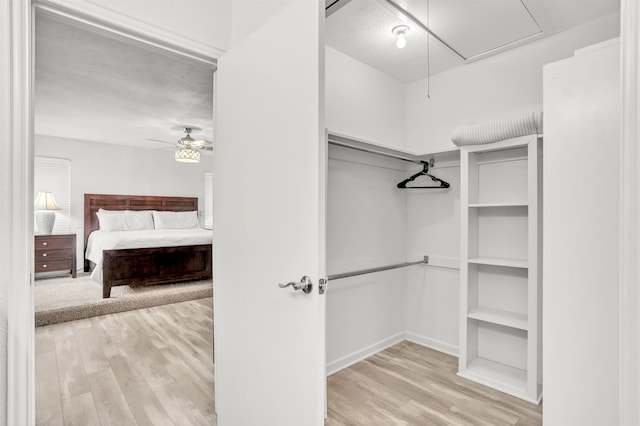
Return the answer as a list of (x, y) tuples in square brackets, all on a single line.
[(147, 367), (409, 384), (153, 367)]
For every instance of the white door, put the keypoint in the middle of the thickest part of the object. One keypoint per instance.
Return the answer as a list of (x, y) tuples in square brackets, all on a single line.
[(269, 214)]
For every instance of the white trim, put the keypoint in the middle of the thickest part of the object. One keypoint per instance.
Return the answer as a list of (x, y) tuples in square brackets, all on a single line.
[(428, 342), (16, 210), (17, 400), (630, 208), (357, 356), (208, 200), (364, 353), (99, 17)]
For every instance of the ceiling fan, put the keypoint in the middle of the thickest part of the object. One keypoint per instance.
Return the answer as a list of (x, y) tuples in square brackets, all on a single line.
[(187, 148)]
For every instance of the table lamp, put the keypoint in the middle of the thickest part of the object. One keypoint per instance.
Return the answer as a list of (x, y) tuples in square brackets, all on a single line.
[(45, 216)]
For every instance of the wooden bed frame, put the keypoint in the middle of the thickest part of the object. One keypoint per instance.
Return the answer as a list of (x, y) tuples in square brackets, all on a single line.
[(146, 265)]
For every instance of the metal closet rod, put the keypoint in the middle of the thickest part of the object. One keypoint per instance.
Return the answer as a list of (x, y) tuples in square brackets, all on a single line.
[(373, 151), (425, 260)]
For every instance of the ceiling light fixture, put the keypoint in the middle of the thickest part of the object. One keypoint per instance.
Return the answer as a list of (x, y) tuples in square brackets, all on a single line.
[(187, 155), (187, 150), (400, 31)]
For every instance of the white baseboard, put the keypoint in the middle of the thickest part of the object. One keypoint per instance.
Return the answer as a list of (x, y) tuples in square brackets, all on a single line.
[(428, 342), (366, 352), (357, 356)]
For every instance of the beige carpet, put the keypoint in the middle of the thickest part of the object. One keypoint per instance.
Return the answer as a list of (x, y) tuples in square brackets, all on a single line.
[(68, 299)]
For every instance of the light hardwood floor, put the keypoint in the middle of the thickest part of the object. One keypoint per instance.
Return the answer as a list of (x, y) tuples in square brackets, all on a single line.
[(153, 367), (147, 367), (409, 384)]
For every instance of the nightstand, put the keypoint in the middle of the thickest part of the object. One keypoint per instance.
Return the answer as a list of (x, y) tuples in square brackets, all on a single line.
[(55, 252)]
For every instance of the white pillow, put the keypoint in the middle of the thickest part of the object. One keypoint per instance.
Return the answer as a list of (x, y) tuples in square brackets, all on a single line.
[(137, 220), (112, 221), (125, 220), (175, 220)]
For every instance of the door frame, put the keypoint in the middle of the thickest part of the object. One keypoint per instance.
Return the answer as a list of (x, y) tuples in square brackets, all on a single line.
[(16, 170), (629, 210), (17, 23)]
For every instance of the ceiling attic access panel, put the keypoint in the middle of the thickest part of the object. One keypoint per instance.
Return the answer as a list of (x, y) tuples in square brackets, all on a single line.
[(476, 27), (469, 29)]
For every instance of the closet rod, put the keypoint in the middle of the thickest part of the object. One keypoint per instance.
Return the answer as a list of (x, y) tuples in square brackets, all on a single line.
[(381, 268), (373, 151)]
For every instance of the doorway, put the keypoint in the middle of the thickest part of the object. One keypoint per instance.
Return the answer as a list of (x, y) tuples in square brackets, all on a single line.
[(113, 109)]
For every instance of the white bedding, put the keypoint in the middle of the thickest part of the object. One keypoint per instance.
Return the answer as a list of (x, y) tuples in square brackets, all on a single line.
[(109, 240)]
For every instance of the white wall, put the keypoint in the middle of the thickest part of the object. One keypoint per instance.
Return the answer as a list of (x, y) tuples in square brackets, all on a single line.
[(581, 239), (365, 228), (101, 168), (363, 102), (502, 85), (433, 292), (370, 222), (248, 15)]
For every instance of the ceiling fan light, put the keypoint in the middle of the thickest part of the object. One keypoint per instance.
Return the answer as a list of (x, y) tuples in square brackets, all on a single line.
[(187, 155)]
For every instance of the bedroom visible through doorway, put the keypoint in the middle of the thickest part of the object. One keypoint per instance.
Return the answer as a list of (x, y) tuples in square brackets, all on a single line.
[(113, 110)]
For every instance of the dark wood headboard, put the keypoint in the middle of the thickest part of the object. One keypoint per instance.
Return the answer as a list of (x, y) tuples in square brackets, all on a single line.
[(94, 202)]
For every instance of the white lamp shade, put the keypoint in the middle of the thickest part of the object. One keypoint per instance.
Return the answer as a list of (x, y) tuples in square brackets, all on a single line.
[(46, 201), (187, 155)]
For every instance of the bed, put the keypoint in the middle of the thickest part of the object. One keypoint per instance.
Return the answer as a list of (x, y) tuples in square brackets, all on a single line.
[(146, 265)]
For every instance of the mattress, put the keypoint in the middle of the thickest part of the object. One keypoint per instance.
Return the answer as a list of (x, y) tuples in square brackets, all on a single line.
[(111, 240), (498, 130)]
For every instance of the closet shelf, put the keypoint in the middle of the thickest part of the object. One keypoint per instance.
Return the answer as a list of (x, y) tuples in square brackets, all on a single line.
[(500, 377), (497, 261), (506, 204), (497, 316), (338, 139)]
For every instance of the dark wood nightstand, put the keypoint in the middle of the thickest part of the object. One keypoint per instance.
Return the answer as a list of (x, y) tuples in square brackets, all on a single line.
[(55, 252)]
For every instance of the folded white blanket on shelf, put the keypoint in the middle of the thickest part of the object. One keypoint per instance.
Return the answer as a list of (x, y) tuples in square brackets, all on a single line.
[(493, 131)]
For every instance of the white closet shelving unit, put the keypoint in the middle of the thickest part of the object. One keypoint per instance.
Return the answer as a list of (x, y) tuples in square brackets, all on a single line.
[(500, 266)]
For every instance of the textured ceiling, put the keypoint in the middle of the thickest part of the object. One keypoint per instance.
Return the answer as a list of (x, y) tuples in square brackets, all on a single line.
[(91, 87), (95, 88), (474, 28)]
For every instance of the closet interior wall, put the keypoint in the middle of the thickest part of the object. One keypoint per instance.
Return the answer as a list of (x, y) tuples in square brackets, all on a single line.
[(493, 88), (432, 292), (366, 227), (418, 303), (372, 223)]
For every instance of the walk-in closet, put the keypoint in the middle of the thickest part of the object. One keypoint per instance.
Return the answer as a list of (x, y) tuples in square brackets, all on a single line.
[(428, 242)]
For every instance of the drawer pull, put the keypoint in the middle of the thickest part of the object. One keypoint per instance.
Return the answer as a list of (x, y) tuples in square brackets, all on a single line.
[(44, 266), (44, 254), (44, 243)]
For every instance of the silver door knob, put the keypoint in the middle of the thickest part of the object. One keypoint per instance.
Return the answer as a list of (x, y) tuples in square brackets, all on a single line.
[(305, 285)]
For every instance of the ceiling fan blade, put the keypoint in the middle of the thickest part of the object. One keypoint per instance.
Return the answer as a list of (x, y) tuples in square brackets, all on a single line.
[(201, 143), (162, 148), (157, 140), (207, 148)]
